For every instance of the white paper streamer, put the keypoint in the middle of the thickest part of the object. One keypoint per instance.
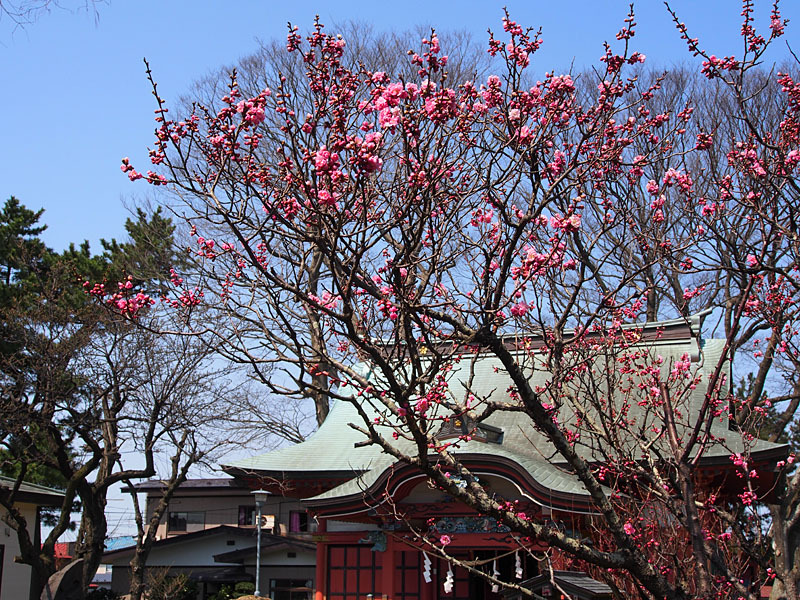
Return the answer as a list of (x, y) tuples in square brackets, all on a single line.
[(426, 568), (496, 574), (518, 567), (448, 581)]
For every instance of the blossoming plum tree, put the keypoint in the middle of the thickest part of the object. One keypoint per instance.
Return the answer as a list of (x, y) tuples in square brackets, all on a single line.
[(359, 218)]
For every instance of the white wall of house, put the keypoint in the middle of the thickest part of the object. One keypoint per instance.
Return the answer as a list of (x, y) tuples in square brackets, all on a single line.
[(197, 553), (281, 558), (200, 553), (16, 578)]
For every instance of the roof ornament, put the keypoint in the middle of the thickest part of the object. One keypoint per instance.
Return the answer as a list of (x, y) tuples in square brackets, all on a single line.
[(466, 428), (377, 539)]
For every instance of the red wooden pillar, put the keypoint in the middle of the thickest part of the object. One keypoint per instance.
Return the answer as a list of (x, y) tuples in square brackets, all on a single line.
[(322, 561), (388, 569)]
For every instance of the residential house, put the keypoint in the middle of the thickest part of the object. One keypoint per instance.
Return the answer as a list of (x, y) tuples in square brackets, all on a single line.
[(16, 579), (209, 533)]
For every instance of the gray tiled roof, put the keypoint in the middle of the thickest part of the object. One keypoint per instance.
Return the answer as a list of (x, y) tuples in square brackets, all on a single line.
[(573, 582), (190, 484)]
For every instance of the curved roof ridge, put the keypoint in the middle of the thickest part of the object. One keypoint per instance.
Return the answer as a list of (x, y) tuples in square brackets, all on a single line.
[(327, 449), (549, 482)]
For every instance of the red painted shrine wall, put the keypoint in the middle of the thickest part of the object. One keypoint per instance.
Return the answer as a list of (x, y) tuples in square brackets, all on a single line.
[(352, 571)]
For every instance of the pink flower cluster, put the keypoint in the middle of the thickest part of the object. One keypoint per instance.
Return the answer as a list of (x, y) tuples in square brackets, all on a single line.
[(684, 181), (681, 368), (535, 263), (519, 310), (570, 224), (628, 528), (714, 66), (252, 110), (746, 157), (123, 300), (748, 497), (325, 161), (206, 249), (366, 157), (327, 300)]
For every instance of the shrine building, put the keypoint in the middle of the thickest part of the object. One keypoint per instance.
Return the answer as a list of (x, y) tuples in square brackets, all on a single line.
[(370, 511)]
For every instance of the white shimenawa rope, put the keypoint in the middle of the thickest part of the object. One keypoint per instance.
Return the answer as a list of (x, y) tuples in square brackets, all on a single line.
[(448, 581), (426, 568)]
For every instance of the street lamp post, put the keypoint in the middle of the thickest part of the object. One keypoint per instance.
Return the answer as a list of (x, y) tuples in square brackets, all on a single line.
[(261, 498)]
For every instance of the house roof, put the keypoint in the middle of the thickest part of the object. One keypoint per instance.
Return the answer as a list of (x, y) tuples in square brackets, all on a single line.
[(338, 449), (194, 536), (221, 575), (222, 483), (328, 451), (267, 540), (553, 486), (117, 543), (35, 494), (268, 544), (573, 582)]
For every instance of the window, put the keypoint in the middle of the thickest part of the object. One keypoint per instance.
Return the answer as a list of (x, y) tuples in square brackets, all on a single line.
[(298, 521), (247, 515), (493, 435), (186, 521)]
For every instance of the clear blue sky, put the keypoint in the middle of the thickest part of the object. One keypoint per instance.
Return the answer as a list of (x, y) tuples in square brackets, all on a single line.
[(75, 99)]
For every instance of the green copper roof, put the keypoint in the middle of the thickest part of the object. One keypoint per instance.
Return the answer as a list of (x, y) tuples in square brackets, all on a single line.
[(551, 479), (334, 449)]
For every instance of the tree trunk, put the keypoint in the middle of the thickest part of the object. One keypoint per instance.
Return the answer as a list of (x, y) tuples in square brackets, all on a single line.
[(137, 575), (91, 540), (786, 544)]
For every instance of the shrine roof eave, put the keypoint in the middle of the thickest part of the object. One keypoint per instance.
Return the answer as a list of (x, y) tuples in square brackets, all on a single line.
[(292, 474), (760, 452), (544, 484)]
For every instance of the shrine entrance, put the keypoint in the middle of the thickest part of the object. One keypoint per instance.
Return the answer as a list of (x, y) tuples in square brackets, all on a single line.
[(354, 571), (471, 586)]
